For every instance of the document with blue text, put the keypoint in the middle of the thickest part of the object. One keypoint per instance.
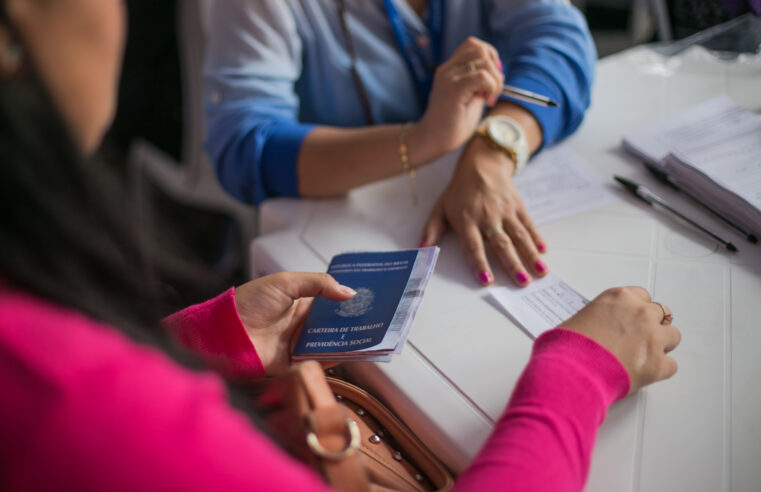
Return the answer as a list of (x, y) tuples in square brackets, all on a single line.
[(373, 324)]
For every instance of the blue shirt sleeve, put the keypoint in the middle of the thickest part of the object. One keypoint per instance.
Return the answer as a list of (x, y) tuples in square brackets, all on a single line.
[(253, 135), (546, 48), (255, 66)]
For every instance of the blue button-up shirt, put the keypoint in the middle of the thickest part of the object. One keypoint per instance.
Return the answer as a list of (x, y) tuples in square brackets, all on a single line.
[(276, 68)]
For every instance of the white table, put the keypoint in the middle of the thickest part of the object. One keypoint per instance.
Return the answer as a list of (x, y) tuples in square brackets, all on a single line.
[(701, 430)]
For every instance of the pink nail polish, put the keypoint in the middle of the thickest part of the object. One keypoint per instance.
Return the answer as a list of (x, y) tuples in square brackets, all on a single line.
[(485, 277), (521, 277), (540, 267), (499, 65), (542, 247), (422, 243)]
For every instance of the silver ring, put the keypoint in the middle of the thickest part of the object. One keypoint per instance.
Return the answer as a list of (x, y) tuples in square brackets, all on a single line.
[(352, 430), (493, 231), (470, 67)]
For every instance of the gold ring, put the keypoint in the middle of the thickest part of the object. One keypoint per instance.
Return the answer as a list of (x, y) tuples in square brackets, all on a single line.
[(493, 231), (667, 317)]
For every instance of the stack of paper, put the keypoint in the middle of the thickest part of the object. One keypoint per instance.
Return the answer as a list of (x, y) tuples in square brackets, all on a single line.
[(374, 324), (712, 151)]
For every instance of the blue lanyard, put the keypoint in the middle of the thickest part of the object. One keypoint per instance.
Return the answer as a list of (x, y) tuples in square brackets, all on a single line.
[(413, 55)]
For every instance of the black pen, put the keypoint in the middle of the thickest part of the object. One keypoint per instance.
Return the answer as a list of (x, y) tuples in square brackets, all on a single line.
[(528, 96), (650, 198), (665, 178)]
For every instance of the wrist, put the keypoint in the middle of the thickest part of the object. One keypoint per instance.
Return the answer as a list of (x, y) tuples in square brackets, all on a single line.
[(528, 122), (422, 145), (478, 152), (597, 359)]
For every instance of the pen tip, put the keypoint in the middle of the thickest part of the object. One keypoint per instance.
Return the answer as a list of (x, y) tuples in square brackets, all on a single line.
[(752, 238), (553, 104), (732, 247), (628, 184)]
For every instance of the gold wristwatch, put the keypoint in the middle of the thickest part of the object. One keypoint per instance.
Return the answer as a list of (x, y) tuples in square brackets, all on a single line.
[(505, 134)]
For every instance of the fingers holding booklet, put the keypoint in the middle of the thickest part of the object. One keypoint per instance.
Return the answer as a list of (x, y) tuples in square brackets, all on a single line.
[(375, 322)]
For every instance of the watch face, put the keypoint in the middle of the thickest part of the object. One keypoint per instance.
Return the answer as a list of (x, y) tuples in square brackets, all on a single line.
[(503, 132)]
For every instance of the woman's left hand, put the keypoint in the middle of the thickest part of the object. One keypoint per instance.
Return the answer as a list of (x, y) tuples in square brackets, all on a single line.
[(486, 211), (274, 308)]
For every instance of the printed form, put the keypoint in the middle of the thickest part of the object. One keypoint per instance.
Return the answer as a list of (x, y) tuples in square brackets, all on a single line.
[(708, 123), (541, 306), (734, 163), (559, 183)]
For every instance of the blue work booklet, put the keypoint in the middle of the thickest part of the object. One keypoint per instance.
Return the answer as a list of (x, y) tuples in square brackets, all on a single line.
[(373, 324)]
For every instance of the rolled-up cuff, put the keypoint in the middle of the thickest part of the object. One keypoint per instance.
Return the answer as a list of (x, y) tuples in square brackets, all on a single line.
[(280, 157)]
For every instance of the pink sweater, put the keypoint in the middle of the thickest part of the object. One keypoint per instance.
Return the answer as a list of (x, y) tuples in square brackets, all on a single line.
[(84, 408)]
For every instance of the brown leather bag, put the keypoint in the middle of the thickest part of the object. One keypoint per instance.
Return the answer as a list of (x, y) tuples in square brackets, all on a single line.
[(346, 435)]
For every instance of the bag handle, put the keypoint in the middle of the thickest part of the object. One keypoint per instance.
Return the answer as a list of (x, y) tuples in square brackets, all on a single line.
[(332, 437), (352, 445)]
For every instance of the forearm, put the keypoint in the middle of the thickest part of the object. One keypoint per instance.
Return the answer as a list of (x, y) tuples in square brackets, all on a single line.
[(215, 332), (333, 161), (545, 438)]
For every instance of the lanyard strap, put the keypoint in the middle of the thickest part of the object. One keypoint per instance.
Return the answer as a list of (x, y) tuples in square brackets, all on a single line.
[(421, 72), (361, 89), (413, 55)]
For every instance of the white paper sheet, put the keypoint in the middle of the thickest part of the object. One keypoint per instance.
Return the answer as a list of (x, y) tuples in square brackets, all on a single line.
[(559, 183), (705, 124), (542, 305)]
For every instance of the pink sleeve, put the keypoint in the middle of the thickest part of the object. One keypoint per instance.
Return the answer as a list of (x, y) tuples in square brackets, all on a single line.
[(544, 440), (84, 408), (214, 330), (76, 392)]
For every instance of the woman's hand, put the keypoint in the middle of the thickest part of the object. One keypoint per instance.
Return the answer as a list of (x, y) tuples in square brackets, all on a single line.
[(484, 209), (273, 309), (471, 77), (636, 330), (327, 163)]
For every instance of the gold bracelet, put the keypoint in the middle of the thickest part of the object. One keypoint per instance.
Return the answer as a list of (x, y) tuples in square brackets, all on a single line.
[(405, 160)]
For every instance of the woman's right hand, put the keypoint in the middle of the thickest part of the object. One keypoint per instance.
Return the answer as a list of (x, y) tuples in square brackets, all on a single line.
[(635, 329), (273, 309), (471, 77)]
